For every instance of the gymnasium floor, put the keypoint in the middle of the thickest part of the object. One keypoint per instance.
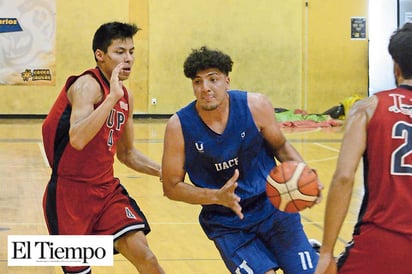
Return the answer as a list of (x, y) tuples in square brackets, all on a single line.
[(176, 237)]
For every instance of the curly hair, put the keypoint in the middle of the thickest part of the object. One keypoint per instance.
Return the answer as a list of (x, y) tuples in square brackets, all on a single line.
[(204, 58), (400, 48)]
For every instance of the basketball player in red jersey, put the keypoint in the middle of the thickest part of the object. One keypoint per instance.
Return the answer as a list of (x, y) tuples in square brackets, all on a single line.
[(91, 122), (379, 129)]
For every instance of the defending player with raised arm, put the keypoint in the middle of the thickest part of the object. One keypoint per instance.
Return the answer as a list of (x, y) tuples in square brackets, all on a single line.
[(90, 122)]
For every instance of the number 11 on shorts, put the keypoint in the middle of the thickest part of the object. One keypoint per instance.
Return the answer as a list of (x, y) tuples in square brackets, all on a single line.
[(305, 260)]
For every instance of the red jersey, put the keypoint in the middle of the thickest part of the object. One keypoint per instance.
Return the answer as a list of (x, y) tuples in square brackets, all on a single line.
[(93, 164), (388, 163)]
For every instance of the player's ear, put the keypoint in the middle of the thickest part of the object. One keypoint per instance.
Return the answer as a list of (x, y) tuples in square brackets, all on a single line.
[(98, 54), (228, 82)]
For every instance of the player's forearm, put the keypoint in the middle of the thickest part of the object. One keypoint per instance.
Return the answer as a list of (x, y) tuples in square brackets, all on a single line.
[(82, 131), (188, 193), (139, 162), (337, 205), (288, 153)]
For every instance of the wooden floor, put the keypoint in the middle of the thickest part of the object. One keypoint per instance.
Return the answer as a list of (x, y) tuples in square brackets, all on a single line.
[(176, 237)]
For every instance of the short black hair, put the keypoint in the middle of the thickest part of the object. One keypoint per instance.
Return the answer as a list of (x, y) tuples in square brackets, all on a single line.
[(400, 48), (108, 32), (204, 58)]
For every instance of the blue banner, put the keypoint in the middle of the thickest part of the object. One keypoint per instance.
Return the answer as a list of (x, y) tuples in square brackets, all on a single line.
[(9, 25)]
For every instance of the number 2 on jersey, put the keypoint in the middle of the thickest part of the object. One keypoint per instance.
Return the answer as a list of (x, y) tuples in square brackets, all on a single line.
[(402, 130)]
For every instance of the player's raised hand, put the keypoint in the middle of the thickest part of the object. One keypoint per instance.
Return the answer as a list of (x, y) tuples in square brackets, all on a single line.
[(116, 85), (228, 197)]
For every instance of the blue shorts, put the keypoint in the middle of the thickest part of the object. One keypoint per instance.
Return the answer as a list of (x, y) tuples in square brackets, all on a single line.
[(275, 241)]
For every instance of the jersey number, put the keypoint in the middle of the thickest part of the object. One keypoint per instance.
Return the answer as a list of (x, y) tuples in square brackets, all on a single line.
[(305, 260), (245, 267), (402, 130)]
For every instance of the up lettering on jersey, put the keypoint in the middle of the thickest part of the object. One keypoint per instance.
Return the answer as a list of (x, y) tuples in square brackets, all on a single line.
[(115, 120), (227, 164)]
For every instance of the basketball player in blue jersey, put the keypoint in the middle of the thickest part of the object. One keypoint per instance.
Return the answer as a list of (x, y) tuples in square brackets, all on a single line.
[(226, 141)]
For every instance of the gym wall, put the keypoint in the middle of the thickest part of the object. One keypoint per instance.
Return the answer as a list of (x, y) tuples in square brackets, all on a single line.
[(337, 66), (299, 53)]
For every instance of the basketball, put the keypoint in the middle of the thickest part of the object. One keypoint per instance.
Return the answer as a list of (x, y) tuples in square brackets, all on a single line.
[(292, 186)]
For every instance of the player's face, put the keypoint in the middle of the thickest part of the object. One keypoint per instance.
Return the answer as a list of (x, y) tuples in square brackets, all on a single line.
[(120, 50), (210, 87)]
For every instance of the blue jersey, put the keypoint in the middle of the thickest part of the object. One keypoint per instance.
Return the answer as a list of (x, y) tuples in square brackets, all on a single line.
[(211, 158)]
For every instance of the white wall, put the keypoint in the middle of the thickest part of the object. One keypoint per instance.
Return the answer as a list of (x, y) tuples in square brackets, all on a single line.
[(382, 22)]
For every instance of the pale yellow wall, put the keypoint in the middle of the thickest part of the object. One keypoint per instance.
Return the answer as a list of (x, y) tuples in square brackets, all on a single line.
[(337, 65), (264, 39), (139, 80), (300, 57)]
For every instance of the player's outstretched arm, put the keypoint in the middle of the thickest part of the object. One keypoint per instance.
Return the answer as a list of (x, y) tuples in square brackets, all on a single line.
[(340, 191)]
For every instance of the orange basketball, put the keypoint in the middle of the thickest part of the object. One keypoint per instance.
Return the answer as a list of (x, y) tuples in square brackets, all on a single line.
[(292, 186)]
